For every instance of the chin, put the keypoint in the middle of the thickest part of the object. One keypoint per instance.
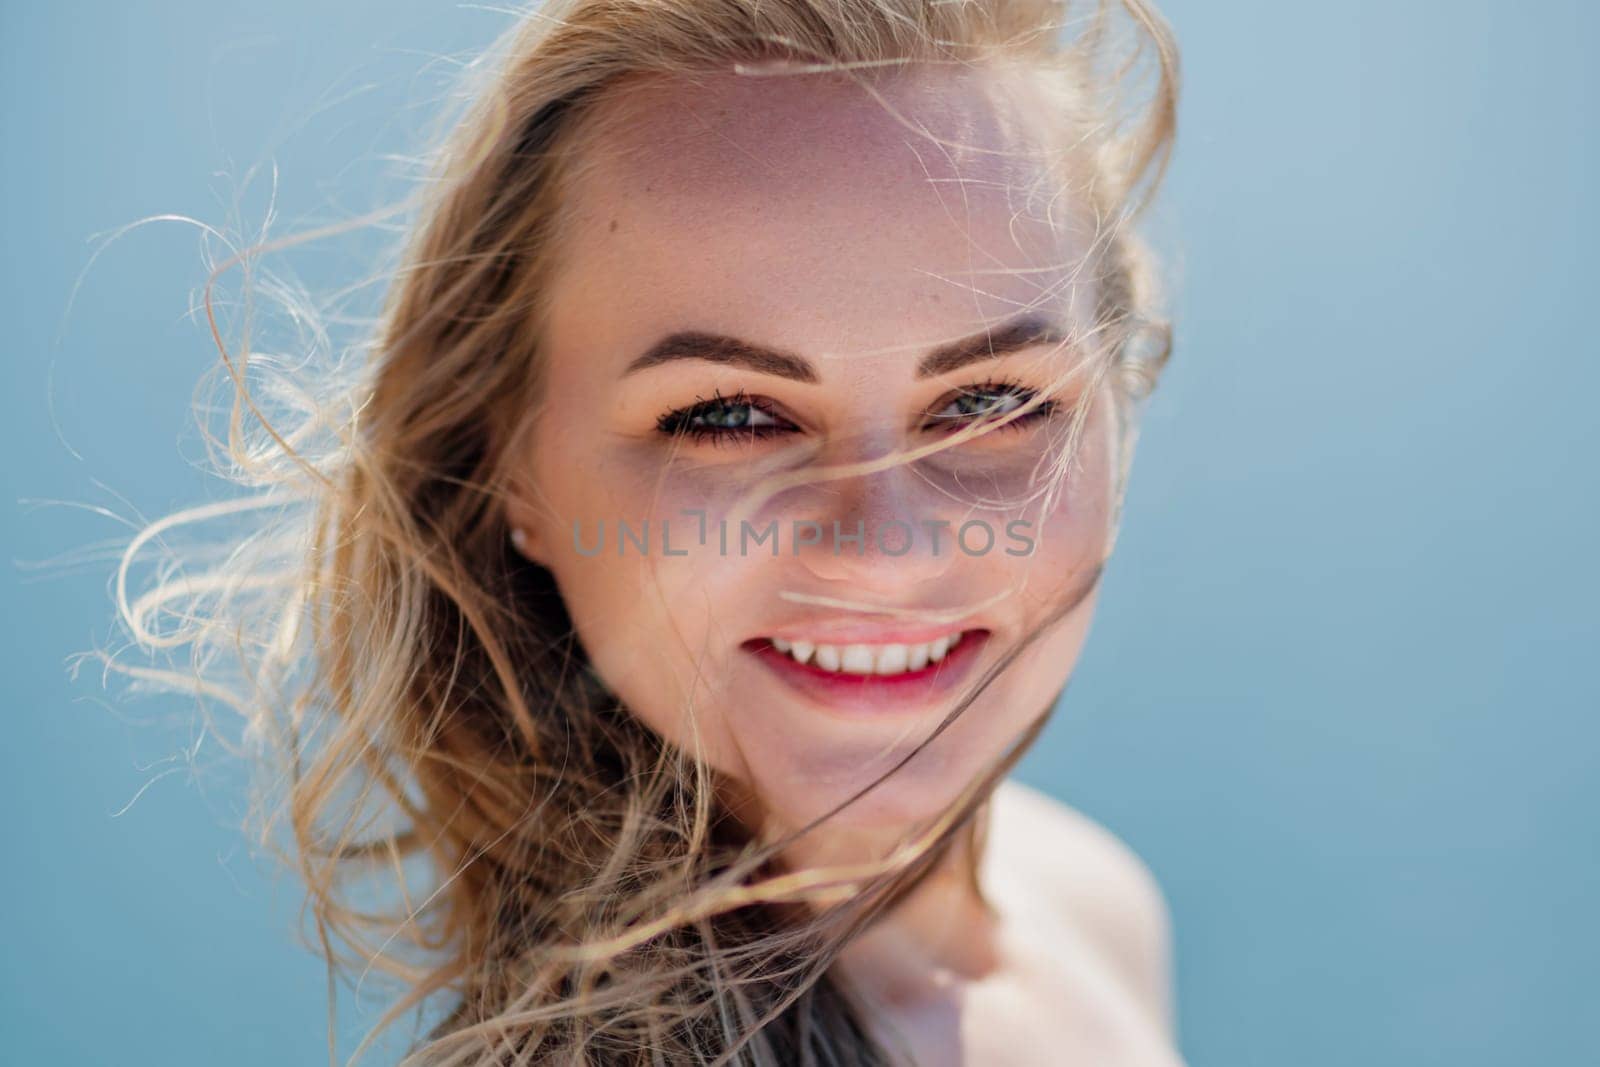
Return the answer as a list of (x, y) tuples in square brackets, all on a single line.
[(803, 789)]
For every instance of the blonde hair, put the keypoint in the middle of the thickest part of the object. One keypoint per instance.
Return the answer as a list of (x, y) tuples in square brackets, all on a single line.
[(413, 690)]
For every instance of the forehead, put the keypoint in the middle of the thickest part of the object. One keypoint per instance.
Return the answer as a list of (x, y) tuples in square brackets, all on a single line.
[(801, 211)]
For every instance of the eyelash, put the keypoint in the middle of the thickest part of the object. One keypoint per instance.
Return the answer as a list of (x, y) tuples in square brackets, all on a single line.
[(681, 421), (1000, 388)]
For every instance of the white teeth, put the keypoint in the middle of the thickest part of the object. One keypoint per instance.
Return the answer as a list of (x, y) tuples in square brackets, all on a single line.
[(856, 659), (868, 659), (892, 659)]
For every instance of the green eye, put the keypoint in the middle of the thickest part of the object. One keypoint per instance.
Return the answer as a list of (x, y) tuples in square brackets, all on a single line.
[(722, 418), (991, 400), (732, 416), (981, 405)]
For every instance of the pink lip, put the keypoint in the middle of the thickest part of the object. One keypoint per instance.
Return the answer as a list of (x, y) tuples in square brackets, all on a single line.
[(868, 694)]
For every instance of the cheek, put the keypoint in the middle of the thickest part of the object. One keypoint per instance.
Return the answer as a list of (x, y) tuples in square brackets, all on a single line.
[(658, 627), (647, 627), (1073, 537)]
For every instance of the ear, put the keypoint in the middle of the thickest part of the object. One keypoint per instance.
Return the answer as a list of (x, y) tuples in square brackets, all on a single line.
[(526, 541), (523, 527)]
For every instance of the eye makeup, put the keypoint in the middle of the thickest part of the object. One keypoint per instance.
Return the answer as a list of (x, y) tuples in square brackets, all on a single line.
[(742, 417), (991, 400), (724, 419)]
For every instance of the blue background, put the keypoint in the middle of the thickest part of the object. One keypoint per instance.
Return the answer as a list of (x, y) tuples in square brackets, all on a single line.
[(1338, 696)]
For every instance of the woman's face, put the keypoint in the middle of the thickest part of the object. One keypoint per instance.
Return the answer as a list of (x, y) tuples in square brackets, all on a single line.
[(829, 261)]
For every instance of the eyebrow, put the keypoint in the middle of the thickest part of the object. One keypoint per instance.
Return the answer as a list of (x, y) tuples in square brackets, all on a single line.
[(1025, 331)]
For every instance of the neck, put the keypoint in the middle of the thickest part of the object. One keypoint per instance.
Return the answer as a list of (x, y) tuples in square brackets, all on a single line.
[(942, 932)]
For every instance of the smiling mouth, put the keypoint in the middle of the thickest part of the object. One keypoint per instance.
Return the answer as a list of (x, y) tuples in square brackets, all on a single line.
[(884, 659), (873, 677)]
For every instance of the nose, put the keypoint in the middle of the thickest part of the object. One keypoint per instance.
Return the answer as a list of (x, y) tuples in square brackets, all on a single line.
[(882, 531)]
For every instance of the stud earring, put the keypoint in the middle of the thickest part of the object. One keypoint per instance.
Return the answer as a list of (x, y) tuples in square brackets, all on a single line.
[(519, 537)]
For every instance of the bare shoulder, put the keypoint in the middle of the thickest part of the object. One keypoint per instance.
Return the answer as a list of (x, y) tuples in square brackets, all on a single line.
[(1106, 891)]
